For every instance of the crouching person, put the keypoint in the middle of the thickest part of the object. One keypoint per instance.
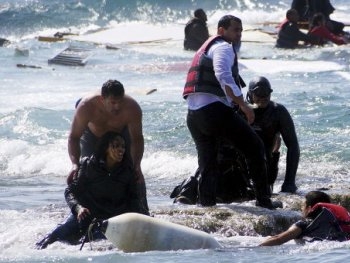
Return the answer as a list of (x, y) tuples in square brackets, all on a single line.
[(105, 187)]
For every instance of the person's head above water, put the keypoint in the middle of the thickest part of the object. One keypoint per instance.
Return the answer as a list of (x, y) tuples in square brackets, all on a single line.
[(259, 91), (200, 14), (112, 88), (111, 145), (230, 28)]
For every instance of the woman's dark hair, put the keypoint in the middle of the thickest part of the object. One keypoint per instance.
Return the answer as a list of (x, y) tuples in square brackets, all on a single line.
[(104, 142), (225, 21), (315, 197), (112, 88)]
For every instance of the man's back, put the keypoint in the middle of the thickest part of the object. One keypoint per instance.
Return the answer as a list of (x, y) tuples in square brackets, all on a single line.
[(196, 33)]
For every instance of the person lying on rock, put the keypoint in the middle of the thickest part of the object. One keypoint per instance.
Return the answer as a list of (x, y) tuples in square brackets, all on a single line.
[(322, 220)]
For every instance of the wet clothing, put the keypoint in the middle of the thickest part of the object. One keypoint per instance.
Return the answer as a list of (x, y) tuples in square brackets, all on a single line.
[(289, 36), (308, 8), (323, 36), (234, 180), (217, 121), (105, 193), (210, 119), (88, 143), (202, 79), (196, 33), (272, 121), (233, 184), (325, 222)]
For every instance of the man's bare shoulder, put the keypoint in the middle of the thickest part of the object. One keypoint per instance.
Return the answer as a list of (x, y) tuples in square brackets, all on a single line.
[(88, 104), (89, 99), (131, 103)]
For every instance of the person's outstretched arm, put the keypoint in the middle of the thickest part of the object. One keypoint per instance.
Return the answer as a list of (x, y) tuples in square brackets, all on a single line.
[(292, 233)]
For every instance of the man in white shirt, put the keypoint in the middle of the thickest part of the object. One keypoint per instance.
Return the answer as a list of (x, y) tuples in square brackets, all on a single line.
[(213, 92)]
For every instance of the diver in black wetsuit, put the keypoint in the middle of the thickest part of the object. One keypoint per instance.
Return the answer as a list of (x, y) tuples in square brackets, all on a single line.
[(272, 120)]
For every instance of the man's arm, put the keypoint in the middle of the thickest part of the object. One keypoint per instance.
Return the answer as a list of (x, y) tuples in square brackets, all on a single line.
[(248, 111), (291, 141), (79, 124), (223, 58), (136, 141), (292, 233)]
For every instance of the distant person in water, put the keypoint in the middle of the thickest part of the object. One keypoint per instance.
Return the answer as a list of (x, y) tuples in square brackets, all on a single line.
[(322, 220), (105, 187), (196, 31), (289, 33), (308, 8), (4, 42), (323, 35)]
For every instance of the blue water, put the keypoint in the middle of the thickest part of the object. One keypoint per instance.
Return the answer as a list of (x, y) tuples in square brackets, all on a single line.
[(37, 105)]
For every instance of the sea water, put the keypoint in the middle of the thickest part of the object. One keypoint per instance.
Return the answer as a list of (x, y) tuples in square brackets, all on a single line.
[(37, 106)]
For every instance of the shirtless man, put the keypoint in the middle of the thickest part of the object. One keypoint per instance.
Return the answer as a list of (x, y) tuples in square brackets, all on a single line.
[(108, 110)]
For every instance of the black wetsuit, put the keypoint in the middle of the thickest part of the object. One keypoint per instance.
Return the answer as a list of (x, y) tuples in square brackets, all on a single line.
[(233, 183), (196, 33), (269, 123), (105, 193)]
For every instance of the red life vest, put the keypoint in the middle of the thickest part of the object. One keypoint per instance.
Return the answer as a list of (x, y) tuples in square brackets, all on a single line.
[(201, 76), (340, 213)]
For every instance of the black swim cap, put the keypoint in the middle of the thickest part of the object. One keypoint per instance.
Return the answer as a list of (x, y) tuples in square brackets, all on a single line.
[(260, 87)]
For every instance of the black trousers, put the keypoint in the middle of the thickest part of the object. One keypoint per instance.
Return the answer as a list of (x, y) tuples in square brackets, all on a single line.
[(216, 122), (71, 231)]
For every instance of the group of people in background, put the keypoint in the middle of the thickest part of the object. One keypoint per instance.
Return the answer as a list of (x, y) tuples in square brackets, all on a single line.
[(307, 21), (106, 145), (313, 16)]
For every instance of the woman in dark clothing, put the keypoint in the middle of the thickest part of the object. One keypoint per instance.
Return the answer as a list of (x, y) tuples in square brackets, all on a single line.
[(105, 187)]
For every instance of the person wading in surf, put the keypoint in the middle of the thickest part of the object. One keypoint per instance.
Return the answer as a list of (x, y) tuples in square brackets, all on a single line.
[(272, 120), (196, 31), (108, 110), (212, 90)]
